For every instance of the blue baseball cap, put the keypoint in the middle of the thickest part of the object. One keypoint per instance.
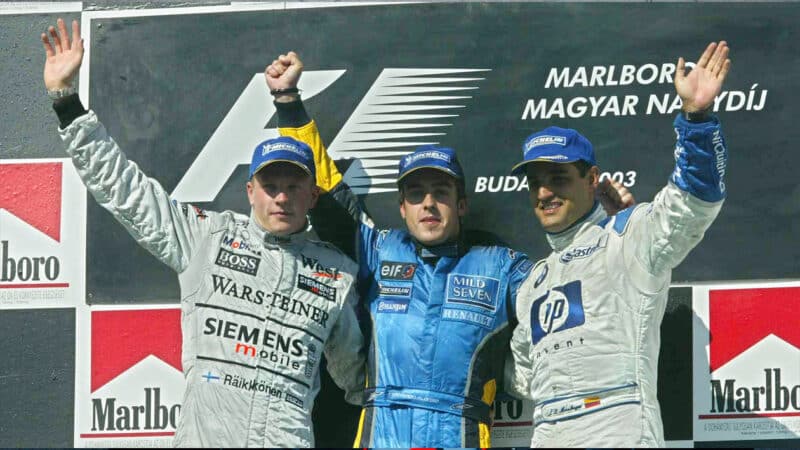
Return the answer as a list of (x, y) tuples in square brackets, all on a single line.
[(557, 145), (283, 149), (431, 157)]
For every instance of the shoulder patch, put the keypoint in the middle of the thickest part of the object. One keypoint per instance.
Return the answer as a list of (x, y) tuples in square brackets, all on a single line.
[(620, 220)]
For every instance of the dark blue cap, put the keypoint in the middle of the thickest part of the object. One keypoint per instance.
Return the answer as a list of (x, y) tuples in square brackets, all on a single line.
[(431, 157), (283, 149), (557, 145)]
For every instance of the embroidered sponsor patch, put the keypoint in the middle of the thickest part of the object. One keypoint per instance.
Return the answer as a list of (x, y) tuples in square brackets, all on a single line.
[(561, 308), (542, 276), (393, 306), (525, 267), (584, 251), (473, 290), (463, 315), (315, 287), (397, 270), (294, 400), (240, 263), (394, 291)]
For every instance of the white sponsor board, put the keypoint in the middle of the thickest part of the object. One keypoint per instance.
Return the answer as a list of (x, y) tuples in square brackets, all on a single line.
[(746, 362), (42, 234), (513, 423), (128, 383)]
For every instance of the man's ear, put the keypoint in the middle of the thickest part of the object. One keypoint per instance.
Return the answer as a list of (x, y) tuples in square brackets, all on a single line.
[(250, 191), (314, 196), (462, 207), (594, 177)]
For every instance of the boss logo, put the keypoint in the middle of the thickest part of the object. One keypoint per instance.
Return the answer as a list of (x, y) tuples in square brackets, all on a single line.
[(240, 263)]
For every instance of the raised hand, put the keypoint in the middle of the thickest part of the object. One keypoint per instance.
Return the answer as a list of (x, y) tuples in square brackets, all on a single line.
[(284, 72), (702, 84), (613, 196), (64, 56)]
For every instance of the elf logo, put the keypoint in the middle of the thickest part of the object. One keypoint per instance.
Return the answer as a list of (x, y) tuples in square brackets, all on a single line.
[(399, 96)]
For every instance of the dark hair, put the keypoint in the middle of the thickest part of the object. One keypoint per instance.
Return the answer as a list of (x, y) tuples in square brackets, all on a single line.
[(582, 167)]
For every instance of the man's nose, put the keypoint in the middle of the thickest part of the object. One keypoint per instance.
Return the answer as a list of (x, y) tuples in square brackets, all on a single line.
[(428, 200), (544, 192)]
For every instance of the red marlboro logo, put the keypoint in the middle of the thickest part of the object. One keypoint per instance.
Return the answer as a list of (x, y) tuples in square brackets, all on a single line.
[(32, 192), (120, 339), (740, 318)]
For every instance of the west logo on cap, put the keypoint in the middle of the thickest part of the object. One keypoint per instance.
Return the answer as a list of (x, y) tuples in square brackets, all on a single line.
[(555, 144), (283, 149)]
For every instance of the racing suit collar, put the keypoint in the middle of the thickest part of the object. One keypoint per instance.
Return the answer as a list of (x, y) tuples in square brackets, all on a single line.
[(561, 240), (266, 237), (452, 249)]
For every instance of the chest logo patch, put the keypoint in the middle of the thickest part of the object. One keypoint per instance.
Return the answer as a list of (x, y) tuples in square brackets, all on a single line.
[(240, 263), (473, 290), (561, 308), (392, 306), (397, 270), (584, 251), (315, 287)]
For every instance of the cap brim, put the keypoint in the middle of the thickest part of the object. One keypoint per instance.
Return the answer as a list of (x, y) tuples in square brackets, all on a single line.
[(440, 169), (272, 161), (519, 168)]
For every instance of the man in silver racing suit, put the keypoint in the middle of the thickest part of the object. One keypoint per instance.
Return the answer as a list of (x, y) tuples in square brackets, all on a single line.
[(262, 298), (586, 347)]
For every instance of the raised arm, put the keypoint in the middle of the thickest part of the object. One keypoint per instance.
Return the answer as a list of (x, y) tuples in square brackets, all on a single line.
[(167, 229), (339, 214), (677, 219)]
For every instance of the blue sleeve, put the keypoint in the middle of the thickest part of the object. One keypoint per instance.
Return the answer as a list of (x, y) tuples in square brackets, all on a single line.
[(520, 269), (700, 159)]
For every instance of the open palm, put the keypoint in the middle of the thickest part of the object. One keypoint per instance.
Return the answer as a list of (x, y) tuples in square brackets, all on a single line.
[(63, 56), (702, 84)]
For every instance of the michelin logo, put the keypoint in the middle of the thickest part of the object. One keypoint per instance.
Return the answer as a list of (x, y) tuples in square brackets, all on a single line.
[(546, 140), (281, 146)]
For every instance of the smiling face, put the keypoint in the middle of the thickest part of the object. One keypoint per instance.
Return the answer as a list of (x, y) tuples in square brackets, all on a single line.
[(281, 195), (559, 194), (431, 206)]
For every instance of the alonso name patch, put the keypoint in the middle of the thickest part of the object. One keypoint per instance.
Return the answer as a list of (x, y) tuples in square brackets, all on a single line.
[(240, 263), (473, 290), (315, 287)]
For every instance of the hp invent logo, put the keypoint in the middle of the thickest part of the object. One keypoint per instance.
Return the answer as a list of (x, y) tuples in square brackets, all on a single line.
[(403, 109)]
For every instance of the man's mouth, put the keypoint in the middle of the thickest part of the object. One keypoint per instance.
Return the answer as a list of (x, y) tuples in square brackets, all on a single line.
[(431, 220), (550, 207)]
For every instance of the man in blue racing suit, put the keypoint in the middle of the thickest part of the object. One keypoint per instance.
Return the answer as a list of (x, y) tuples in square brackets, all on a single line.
[(441, 307)]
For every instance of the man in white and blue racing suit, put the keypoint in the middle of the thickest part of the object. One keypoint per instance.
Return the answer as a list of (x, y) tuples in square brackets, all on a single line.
[(586, 348), (262, 299)]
